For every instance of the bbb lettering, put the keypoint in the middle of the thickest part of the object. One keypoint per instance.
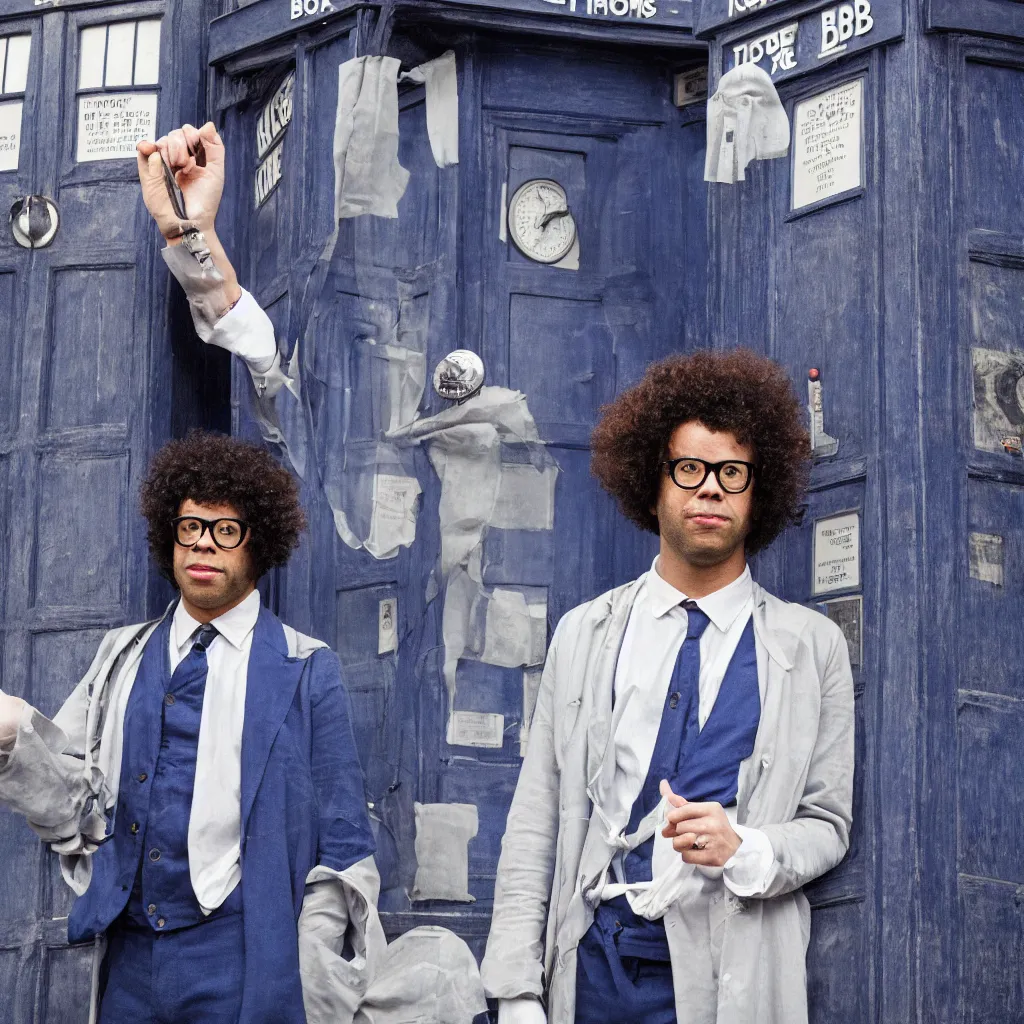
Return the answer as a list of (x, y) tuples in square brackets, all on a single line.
[(841, 24)]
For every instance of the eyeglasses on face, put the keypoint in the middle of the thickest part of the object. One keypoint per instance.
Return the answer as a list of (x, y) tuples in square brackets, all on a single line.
[(227, 534), (733, 476)]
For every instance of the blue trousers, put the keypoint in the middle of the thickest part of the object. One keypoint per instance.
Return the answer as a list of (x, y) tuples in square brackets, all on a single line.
[(615, 989), (190, 976)]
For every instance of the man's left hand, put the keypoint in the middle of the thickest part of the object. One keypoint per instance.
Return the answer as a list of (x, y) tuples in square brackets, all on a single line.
[(700, 832)]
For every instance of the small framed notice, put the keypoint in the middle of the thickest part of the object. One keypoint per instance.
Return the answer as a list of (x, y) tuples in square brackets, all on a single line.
[(828, 147), (109, 124), (476, 729), (836, 563), (10, 135)]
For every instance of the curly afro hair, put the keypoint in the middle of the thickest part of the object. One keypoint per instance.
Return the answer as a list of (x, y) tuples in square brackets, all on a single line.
[(738, 391), (212, 469)]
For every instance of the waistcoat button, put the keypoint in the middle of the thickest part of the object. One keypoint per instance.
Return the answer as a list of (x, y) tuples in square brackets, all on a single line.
[(143, 777), (151, 909), (135, 828), (160, 922), (154, 855), (169, 699)]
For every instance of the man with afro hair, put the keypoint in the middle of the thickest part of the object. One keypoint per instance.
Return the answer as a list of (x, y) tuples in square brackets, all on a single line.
[(690, 764), (201, 784)]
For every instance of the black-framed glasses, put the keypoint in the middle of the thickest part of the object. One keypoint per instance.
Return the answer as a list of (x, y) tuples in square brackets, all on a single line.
[(227, 534), (733, 476)]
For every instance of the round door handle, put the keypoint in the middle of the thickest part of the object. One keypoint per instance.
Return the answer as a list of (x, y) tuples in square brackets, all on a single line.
[(34, 221)]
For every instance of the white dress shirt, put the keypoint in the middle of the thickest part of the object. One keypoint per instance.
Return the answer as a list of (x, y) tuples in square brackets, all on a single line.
[(215, 823), (655, 633)]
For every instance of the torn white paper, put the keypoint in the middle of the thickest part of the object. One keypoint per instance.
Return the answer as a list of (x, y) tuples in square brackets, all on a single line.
[(368, 179), (516, 633), (526, 498), (464, 444), (426, 975), (531, 687), (393, 521), (443, 832), (986, 558), (476, 729), (746, 121), (509, 639), (442, 86)]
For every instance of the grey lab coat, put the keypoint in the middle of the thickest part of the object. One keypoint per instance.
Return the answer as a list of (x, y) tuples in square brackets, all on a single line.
[(798, 791)]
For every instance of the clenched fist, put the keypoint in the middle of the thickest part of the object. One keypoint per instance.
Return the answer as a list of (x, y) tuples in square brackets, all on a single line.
[(196, 158)]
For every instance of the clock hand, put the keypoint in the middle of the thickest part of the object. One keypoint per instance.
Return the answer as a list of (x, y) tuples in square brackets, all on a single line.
[(554, 215)]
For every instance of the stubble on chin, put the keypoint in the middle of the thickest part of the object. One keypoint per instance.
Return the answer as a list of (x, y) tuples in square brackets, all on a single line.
[(700, 548)]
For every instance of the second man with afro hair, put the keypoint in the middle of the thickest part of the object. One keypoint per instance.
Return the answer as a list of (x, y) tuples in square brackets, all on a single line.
[(690, 765)]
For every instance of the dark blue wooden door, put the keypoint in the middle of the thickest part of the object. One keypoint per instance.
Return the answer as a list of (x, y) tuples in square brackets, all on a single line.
[(84, 372), (444, 275)]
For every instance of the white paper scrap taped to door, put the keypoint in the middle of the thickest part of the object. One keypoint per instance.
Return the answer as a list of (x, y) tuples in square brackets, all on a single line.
[(476, 729), (443, 832), (526, 498), (393, 521)]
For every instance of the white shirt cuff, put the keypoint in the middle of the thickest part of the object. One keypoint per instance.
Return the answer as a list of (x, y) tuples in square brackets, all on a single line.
[(245, 330), (751, 868), (522, 1010)]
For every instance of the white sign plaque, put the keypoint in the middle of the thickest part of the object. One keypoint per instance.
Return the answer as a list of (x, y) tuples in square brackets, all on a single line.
[(109, 124), (828, 144), (10, 135), (836, 553), (476, 729)]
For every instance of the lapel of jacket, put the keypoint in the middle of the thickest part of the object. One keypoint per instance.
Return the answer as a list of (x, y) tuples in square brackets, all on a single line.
[(606, 638), (271, 682), (778, 632)]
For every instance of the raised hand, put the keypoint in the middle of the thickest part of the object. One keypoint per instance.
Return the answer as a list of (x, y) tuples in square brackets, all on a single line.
[(196, 158)]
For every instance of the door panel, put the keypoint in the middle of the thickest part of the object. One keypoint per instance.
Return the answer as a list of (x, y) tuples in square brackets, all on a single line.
[(84, 370), (985, 709), (441, 276)]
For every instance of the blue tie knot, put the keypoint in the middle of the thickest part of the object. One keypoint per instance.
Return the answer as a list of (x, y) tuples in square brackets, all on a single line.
[(696, 621), (203, 637)]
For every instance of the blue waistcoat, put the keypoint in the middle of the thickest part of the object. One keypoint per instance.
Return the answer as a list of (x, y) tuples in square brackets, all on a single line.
[(303, 804), (702, 765)]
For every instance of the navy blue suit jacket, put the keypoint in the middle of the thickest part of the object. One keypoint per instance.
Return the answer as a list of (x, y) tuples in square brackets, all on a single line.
[(303, 804)]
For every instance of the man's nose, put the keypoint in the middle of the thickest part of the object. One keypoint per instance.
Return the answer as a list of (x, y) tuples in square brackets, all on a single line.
[(205, 542), (710, 489)]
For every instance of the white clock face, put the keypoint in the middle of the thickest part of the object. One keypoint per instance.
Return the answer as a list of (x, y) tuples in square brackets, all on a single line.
[(540, 223)]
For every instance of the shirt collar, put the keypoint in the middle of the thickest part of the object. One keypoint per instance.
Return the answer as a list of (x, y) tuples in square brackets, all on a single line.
[(234, 625), (721, 607)]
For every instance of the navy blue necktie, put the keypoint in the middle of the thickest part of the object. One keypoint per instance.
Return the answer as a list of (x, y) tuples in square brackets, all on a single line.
[(193, 666), (680, 727)]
